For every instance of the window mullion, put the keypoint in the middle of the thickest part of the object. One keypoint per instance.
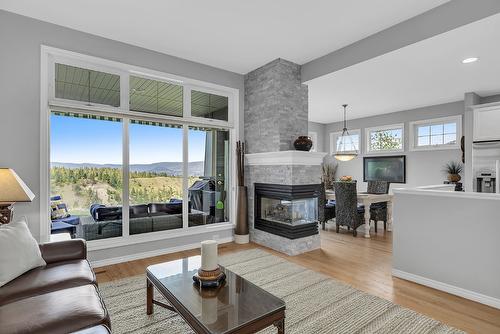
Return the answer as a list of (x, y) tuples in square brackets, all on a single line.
[(185, 176), (126, 178)]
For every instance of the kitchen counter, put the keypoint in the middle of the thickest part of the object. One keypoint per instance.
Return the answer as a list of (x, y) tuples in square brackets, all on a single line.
[(448, 240)]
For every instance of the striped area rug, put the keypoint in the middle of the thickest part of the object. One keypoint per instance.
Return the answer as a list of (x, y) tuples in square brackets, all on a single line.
[(315, 303)]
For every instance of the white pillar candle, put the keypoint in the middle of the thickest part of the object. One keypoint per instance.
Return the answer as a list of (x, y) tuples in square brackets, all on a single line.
[(209, 255)]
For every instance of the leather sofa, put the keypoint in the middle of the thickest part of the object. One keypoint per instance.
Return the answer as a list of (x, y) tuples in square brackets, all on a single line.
[(61, 297)]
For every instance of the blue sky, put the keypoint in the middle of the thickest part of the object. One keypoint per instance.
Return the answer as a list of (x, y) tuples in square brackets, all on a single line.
[(80, 140)]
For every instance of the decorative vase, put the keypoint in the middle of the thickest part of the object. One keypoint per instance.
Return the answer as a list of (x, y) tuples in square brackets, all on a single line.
[(303, 143), (241, 235), (454, 177)]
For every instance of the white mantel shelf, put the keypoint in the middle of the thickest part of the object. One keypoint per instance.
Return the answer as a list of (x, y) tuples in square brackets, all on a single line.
[(301, 158)]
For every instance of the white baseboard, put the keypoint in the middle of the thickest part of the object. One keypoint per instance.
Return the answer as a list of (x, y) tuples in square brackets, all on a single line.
[(156, 252), (454, 290)]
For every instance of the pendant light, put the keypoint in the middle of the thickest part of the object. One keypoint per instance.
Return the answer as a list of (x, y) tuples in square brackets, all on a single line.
[(346, 150)]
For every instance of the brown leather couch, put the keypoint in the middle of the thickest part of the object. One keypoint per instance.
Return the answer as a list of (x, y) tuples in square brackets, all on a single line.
[(61, 297)]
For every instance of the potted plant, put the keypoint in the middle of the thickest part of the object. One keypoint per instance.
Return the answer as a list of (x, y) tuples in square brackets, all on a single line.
[(329, 169), (453, 169)]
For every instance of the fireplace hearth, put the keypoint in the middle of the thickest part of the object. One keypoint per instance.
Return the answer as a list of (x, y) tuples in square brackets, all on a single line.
[(290, 211)]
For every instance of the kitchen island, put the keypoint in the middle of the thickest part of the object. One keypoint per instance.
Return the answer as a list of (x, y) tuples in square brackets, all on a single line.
[(448, 241)]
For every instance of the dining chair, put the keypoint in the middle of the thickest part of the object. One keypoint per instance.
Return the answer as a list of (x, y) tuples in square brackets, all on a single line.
[(378, 211), (347, 211), (326, 208)]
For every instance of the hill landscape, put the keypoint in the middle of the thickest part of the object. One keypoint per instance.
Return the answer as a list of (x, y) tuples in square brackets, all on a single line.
[(83, 184)]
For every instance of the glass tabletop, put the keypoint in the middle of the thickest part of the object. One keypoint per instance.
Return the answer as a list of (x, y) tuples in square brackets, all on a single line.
[(219, 310)]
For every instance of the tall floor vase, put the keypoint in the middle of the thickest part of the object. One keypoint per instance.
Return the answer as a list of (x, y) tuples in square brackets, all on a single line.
[(241, 235)]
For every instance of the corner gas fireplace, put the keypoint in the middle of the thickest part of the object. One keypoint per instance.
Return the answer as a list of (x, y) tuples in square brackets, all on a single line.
[(290, 211)]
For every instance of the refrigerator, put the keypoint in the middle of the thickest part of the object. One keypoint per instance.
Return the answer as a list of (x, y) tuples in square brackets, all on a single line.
[(486, 166)]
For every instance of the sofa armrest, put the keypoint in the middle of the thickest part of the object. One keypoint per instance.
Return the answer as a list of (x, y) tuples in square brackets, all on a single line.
[(75, 249)]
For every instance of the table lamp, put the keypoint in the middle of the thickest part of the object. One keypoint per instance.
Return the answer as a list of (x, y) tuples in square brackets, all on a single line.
[(12, 190)]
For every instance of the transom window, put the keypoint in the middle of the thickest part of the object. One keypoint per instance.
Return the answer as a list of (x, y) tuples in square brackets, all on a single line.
[(80, 84), (154, 96), (438, 133), (388, 138)]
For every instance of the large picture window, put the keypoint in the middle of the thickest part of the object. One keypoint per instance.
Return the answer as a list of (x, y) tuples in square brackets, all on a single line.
[(209, 175), (132, 152), (86, 175), (155, 176)]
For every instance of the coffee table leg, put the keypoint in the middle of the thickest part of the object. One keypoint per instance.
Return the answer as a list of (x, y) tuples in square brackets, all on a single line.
[(280, 325), (149, 297)]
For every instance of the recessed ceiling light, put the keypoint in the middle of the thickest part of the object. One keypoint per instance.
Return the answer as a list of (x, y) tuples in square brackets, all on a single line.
[(470, 60)]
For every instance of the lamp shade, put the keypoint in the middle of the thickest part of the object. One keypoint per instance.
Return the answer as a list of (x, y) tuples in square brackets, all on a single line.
[(12, 188)]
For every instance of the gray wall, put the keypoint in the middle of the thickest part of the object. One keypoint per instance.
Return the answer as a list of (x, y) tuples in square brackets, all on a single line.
[(20, 40), (422, 167), (321, 145), (452, 239)]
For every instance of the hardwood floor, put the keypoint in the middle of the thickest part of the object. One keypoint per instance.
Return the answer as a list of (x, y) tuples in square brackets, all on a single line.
[(362, 263)]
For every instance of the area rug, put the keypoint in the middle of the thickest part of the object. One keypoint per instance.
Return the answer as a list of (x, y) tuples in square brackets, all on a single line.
[(315, 303)]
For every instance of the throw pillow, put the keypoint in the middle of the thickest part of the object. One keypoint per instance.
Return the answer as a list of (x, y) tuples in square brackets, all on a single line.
[(19, 251), (59, 209)]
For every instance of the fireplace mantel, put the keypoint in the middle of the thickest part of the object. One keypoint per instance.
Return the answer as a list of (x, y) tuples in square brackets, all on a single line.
[(297, 158)]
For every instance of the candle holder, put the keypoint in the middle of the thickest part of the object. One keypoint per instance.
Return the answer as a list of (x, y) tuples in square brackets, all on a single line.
[(209, 278)]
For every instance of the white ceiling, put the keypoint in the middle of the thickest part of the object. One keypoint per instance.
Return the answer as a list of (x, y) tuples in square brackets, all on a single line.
[(426, 73), (235, 35)]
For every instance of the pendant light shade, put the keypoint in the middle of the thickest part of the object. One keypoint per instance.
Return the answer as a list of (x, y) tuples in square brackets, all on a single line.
[(346, 149)]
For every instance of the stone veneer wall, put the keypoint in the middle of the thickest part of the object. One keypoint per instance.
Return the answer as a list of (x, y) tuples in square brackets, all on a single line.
[(275, 107), (287, 175)]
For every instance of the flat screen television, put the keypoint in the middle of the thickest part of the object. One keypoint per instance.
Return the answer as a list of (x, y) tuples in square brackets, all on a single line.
[(385, 168)]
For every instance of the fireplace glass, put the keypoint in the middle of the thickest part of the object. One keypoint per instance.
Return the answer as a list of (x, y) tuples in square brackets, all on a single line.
[(291, 212)]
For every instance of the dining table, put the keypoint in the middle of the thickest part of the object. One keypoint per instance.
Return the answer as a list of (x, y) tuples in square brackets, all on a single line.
[(368, 199)]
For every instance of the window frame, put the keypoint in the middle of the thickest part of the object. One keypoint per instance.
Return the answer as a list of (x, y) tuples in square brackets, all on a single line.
[(314, 138), (336, 134), (435, 121), (387, 127), (48, 103)]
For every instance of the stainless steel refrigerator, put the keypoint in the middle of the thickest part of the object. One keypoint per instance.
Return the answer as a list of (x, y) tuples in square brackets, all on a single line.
[(486, 165)]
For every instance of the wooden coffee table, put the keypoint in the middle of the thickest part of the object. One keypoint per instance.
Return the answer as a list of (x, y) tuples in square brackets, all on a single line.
[(236, 307)]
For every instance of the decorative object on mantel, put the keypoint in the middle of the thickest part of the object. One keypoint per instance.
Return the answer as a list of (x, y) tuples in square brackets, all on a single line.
[(329, 170), (209, 275), (303, 143), (453, 169), (346, 178), (12, 190), (241, 233), (346, 149)]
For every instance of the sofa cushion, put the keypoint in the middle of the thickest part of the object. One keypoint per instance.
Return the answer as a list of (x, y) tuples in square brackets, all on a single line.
[(50, 278), (165, 208), (19, 251), (58, 208), (57, 312), (108, 213), (138, 211), (72, 220)]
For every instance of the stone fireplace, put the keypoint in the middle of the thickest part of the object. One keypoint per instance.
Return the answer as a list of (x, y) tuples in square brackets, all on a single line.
[(282, 183), (286, 210)]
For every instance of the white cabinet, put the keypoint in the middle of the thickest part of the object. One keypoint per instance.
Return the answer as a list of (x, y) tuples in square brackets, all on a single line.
[(487, 122)]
